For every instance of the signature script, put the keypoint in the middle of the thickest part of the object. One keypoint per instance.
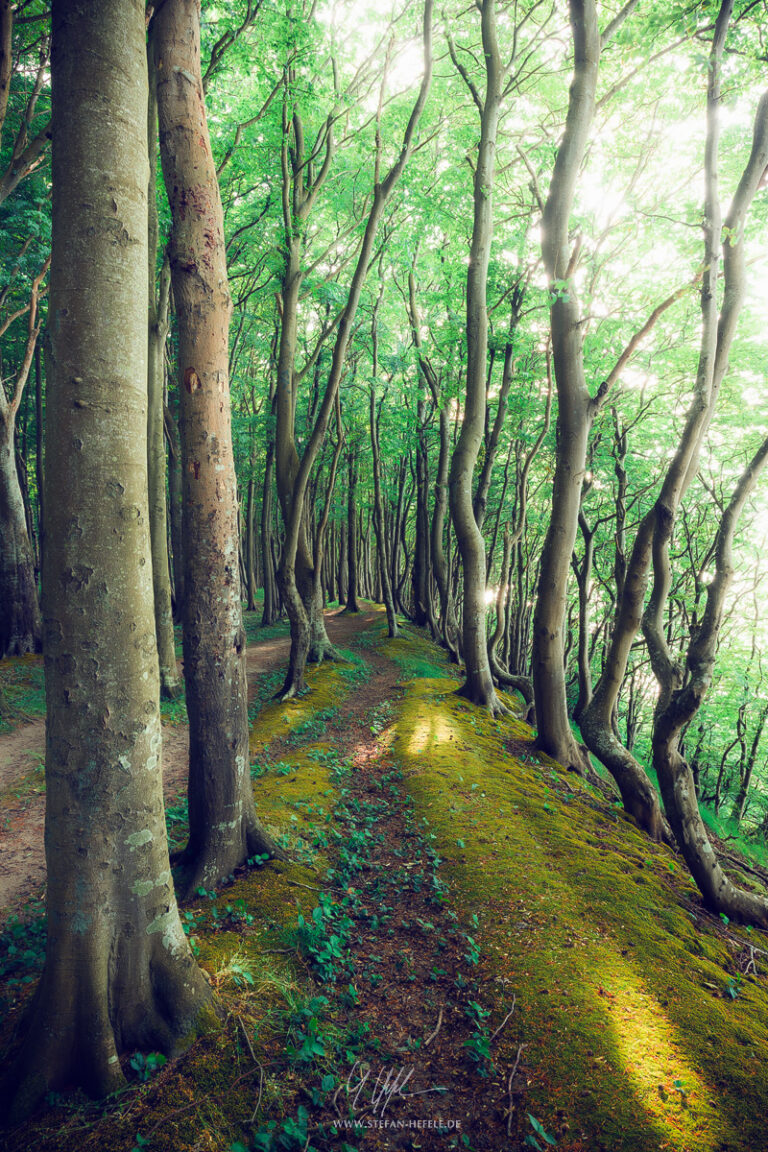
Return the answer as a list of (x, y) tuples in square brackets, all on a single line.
[(389, 1084)]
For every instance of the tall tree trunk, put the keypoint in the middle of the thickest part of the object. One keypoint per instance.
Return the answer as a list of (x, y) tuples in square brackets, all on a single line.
[(20, 623), (118, 972), (575, 409), (680, 701), (175, 505), (159, 324), (638, 794), (159, 300), (583, 573), (250, 537), (293, 501), (352, 541), (342, 567), (378, 510), (478, 686), (223, 828), (448, 624), (39, 454), (420, 574), (271, 596), (740, 802)]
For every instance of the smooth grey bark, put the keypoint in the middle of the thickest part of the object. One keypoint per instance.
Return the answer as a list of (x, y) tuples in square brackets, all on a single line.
[(224, 831), (351, 604), (378, 512), (478, 685), (118, 975), (175, 504), (575, 406), (681, 696), (653, 533)]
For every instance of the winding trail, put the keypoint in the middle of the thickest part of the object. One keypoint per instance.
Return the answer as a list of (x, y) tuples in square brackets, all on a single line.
[(22, 787)]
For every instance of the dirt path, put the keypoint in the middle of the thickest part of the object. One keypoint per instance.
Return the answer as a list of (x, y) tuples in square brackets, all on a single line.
[(420, 988), (22, 752)]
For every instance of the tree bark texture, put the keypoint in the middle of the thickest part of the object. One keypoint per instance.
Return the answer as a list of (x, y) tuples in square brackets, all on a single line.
[(293, 487), (378, 512), (575, 411), (678, 704), (223, 828), (158, 326), (352, 541), (118, 972), (478, 686)]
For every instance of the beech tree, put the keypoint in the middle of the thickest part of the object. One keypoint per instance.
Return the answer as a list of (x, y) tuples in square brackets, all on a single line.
[(20, 622), (223, 828), (294, 470), (479, 686), (118, 972)]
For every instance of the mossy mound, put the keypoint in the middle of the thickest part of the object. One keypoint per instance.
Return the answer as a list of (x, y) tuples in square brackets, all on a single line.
[(640, 1030)]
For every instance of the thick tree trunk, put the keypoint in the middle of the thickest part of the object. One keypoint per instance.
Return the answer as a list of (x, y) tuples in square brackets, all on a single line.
[(478, 686), (118, 973), (223, 829)]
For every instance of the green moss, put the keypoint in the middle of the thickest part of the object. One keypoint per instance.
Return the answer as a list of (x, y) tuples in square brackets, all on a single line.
[(22, 681), (621, 979)]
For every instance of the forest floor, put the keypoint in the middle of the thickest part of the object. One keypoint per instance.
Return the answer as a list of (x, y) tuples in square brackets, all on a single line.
[(472, 949)]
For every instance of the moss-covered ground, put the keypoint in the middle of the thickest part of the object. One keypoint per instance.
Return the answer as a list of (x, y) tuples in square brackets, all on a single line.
[(640, 1021)]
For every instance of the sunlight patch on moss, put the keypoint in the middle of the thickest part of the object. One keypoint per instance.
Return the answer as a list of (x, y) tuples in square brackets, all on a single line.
[(621, 977)]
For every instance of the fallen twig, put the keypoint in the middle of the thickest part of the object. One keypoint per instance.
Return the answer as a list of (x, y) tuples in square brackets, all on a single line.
[(512, 1075), (432, 1035), (495, 1034)]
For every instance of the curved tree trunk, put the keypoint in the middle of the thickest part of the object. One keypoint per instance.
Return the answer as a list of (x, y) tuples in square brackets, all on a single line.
[(118, 971), (583, 574), (293, 494), (679, 703), (478, 686), (575, 408), (223, 829), (651, 541)]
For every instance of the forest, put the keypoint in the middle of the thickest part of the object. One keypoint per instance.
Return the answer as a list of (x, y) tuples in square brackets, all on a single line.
[(383, 554)]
